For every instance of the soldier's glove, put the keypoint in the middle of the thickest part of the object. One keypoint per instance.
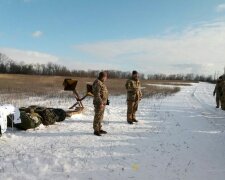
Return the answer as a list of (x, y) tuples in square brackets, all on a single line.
[(108, 102), (214, 94)]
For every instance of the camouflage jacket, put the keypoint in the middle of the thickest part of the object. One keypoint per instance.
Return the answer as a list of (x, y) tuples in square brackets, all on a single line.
[(100, 92), (133, 90), (219, 88), (223, 91)]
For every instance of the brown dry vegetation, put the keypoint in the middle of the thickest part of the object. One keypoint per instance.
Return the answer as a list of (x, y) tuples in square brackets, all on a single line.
[(19, 86)]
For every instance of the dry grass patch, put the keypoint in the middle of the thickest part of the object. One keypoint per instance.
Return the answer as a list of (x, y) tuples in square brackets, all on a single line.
[(23, 86), (156, 91)]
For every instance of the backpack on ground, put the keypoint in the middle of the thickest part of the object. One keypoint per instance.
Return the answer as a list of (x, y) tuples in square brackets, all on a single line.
[(48, 116), (28, 121), (60, 114)]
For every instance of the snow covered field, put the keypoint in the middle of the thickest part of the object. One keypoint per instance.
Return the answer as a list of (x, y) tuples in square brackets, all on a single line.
[(180, 137)]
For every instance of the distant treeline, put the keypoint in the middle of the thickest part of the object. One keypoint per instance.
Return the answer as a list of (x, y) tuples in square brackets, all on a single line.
[(182, 77), (9, 66)]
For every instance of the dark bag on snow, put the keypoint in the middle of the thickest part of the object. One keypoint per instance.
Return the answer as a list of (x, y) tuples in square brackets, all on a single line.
[(28, 121), (60, 114), (48, 116)]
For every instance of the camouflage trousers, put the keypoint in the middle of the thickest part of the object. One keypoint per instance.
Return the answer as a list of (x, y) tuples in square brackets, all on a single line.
[(218, 100), (132, 107), (98, 118), (223, 103)]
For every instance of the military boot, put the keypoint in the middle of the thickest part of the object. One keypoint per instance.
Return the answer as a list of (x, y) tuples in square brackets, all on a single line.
[(102, 131), (97, 133), (135, 120), (129, 118), (130, 122)]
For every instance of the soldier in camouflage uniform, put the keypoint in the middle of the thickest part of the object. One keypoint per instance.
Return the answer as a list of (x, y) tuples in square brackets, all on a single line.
[(100, 93), (223, 96), (218, 91), (134, 95)]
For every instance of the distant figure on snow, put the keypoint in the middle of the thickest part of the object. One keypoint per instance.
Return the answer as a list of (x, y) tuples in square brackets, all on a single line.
[(223, 96), (218, 91), (134, 95)]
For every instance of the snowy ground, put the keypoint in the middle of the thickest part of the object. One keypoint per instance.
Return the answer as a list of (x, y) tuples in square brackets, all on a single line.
[(171, 85), (178, 137)]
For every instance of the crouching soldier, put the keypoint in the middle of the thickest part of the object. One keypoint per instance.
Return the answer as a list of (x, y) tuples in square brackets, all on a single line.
[(218, 91), (134, 95), (100, 93)]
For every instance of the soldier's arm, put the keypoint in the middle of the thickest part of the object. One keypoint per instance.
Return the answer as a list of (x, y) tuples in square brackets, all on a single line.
[(139, 87), (126, 85), (214, 92), (139, 90)]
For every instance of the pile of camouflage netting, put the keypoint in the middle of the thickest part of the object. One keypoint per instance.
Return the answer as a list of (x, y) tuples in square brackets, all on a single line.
[(32, 116)]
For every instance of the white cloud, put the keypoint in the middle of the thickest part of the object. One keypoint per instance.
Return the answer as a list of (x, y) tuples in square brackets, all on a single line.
[(29, 56), (200, 49), (37, 34), (220, 8)]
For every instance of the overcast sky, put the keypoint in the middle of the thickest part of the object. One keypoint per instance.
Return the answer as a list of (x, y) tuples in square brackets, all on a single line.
[(151, 36)]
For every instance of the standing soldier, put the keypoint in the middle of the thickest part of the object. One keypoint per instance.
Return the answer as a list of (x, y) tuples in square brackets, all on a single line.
[(100, 93), (134, 95), (223, 96), (218, 91)]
